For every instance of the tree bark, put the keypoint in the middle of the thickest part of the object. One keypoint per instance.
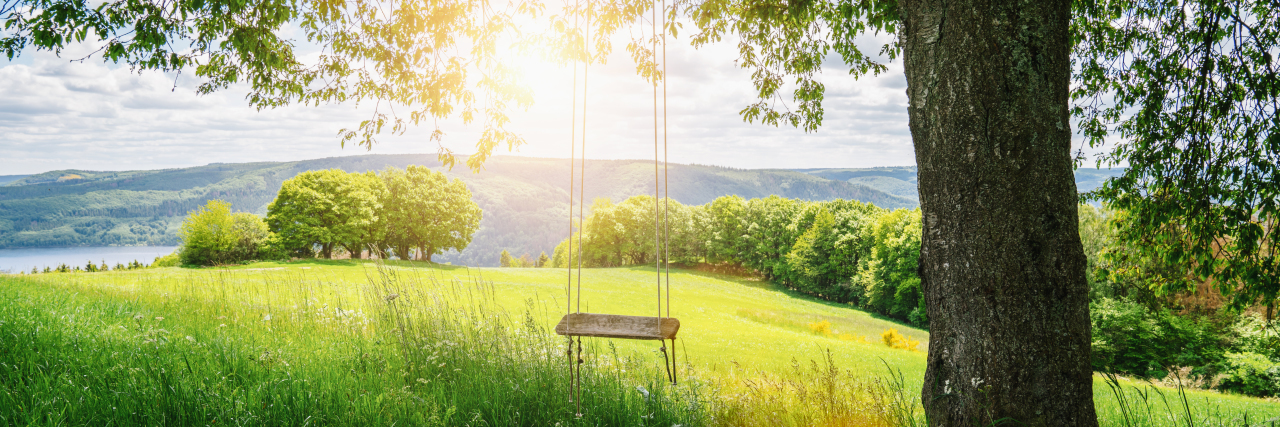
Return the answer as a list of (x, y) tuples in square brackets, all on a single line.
[(1002, 267)]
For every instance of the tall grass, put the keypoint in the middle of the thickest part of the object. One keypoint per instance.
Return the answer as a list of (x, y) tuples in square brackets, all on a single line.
[(1148, 405), (288, 351), (818, 393), (513, 371)]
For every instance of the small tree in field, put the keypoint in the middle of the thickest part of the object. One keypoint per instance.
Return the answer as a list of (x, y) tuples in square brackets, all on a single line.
[(543, 260), (212, 235), (505, 258)]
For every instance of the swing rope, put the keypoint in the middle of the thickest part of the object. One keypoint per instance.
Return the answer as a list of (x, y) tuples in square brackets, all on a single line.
[(666, 194), (661, 240), (575, 359), (661, 212)]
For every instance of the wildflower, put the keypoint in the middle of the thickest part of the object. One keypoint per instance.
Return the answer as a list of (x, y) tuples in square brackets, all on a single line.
[(189, 338), (222, 325), (159, 319), (392, 297), (821, 328), (267, 318), (138, 317), (894, 339)]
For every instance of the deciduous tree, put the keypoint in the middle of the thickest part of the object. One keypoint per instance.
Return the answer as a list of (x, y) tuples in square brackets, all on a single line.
[(427, 211), (323, 209)]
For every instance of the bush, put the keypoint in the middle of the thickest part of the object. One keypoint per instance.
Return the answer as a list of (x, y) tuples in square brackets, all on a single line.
[(1252, 333), (895, 339), (212, 235), (170, 260), (1129, 338), (1251, 374)]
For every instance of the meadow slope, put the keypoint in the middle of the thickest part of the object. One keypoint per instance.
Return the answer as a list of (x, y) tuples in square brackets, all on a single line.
[(744, 345)]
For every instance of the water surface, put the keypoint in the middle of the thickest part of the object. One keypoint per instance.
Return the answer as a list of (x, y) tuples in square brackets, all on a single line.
[(23, 259)]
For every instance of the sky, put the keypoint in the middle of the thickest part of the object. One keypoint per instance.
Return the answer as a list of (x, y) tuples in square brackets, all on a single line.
[(58, 113)]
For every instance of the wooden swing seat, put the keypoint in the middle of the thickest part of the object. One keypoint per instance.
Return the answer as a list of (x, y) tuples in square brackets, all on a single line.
[(617, 326)]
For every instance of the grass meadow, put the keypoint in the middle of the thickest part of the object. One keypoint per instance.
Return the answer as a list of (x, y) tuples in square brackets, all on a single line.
[(360, 343)]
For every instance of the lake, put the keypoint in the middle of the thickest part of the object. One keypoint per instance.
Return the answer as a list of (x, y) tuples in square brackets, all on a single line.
[(15, 260)]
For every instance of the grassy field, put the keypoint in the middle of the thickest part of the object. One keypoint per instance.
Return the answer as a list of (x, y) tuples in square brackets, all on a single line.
[(353, 343)]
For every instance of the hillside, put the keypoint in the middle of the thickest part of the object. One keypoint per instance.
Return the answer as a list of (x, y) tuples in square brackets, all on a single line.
[(901, 180), (525, 200), (7, 179)]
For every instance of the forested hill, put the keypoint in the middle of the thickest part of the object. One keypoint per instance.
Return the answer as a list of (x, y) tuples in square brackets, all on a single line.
[(901, 180), (525, 200), (6, 179)]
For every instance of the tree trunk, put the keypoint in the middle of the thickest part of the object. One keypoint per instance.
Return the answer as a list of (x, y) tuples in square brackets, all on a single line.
[(327, 250), (431, 251), (1001, 264), (402, 252), (354, 251)]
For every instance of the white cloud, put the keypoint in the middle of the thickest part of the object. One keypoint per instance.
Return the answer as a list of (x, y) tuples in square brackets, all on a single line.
[(59, 114)]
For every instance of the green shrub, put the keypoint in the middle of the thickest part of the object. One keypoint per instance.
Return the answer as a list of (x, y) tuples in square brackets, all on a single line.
[(1251, 374), (212, 235), (1129, 338), (1251, 333), (170, 260), (272, 249)]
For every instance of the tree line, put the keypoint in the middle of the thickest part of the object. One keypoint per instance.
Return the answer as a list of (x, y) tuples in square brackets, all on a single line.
[(839, 250), (89, 267), (411, 213)]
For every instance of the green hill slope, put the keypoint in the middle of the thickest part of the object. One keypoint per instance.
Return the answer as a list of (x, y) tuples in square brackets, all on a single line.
[(525, 200), (742, 338)]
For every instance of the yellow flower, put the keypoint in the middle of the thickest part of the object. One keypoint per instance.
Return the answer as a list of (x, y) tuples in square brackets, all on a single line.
[(821, 328)]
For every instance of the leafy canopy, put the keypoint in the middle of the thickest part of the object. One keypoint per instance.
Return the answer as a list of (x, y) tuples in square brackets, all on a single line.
[(1190, 90), (424, 209), (324, 208)]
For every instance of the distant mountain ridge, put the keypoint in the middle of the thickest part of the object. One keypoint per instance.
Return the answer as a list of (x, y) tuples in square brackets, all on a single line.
[(8, 179), (525, 200), (901, 180)]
